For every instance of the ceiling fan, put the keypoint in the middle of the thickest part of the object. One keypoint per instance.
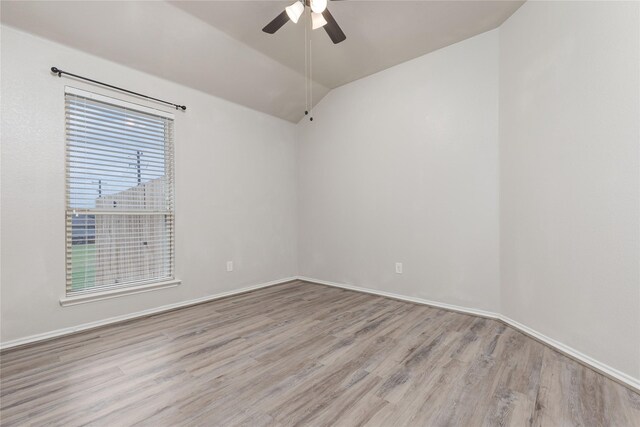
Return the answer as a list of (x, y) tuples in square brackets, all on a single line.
[(320, 17)]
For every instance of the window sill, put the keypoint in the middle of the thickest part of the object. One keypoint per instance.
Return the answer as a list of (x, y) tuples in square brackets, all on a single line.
[(99, 296)]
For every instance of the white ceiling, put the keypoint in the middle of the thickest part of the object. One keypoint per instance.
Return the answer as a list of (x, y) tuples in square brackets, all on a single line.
[(218, 46)]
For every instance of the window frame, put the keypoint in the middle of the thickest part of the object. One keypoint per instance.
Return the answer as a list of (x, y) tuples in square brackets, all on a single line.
[(132, 287)]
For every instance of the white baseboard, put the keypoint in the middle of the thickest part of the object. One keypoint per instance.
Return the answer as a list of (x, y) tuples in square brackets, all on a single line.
[(604, 369), (92, 325), (612, 373), (456, 308)]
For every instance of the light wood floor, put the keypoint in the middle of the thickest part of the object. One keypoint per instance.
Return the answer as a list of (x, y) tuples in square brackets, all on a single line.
[(309, 355)]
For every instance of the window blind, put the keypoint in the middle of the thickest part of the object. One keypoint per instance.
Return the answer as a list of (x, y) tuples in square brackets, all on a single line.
[(119, 194)]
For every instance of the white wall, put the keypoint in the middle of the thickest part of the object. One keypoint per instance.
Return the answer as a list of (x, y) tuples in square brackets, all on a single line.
[(403, 166), (235, 190), (538, 221), (570, 182)]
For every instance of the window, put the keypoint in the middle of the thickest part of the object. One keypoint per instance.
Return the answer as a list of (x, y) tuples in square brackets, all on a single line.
[(119, 194)]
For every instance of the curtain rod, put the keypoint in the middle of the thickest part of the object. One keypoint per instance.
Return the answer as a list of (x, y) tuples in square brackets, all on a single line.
[(59, 72)]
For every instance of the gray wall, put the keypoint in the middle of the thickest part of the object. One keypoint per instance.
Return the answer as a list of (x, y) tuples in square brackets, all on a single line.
[(402, 166), (235, 190), (569, 169), (532, 212)]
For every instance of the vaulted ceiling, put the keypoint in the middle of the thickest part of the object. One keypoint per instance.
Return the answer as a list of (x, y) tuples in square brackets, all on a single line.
[(218, 46)]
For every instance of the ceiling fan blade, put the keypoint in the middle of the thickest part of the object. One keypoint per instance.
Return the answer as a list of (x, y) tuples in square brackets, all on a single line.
[(332, 28), (277, 23)]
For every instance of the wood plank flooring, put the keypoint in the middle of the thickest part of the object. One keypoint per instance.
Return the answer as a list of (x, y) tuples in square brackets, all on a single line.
[(305, 354)]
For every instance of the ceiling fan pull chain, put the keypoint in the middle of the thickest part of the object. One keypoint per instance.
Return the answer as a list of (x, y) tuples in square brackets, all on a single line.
[(306, 68), (310, 79)]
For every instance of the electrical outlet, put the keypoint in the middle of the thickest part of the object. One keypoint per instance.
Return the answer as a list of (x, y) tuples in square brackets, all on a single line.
[(398, 267), (229, 265)]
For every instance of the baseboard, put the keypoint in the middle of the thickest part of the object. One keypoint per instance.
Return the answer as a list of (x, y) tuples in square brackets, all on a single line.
[(614, 374), (456, 308), (602, 368), (117, 319)]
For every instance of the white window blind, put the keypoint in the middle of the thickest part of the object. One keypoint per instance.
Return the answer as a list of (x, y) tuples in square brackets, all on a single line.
[(119, 201)]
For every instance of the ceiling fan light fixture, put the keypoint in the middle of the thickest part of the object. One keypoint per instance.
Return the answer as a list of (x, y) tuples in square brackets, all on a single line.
[(295, 11), (318, 6), (317, 20)]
